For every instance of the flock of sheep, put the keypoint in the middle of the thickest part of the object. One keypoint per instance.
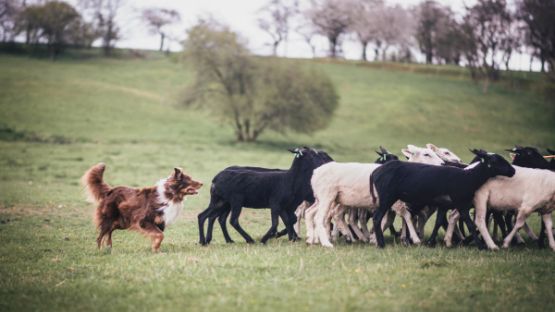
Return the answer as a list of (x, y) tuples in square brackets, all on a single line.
[(338, 199)]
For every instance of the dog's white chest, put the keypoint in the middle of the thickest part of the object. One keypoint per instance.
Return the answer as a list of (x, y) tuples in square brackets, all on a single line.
[(171, 212)]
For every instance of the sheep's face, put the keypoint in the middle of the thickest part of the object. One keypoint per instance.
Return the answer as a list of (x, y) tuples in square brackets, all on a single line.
[(526, 156), (385, 156), (421, 155), (495, 164), (444, 153)]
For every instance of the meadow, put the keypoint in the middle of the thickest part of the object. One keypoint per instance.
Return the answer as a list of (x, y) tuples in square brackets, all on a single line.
[(59, 118)]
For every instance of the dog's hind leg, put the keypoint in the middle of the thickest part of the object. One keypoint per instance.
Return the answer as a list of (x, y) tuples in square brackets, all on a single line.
[(105, 227), (154, 233)]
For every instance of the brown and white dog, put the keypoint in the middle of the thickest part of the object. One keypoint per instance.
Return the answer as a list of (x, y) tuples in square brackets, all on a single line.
[(147, 210)]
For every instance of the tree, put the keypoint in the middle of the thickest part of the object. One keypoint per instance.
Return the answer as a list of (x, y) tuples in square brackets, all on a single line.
[(449, 43), (104, 13), (539, 16), (307, 32), (52, 23), (275, 20), (395, 27), (364, 17), (254, 94), (157, 19), (486, 27), (432, 20), (9, 11), (330, 18)]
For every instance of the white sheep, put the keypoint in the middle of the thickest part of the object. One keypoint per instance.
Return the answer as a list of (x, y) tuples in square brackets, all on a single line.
[(529, 190)]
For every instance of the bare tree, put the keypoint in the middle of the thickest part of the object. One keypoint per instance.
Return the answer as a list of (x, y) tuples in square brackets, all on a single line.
[(395, 27), (539, 16), (307, 32), (276, 19), (104, 13), (487, 24), (330, 18), (157, 20), (364, 22)]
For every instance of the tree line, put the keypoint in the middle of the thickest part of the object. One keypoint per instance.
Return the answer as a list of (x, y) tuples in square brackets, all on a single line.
[(58, 24), (484, 38)]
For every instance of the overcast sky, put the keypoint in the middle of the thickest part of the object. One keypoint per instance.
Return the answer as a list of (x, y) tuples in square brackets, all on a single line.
[(241, 16)]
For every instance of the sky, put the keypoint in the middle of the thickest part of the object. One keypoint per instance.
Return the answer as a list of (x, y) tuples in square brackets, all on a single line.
[(241, 16)]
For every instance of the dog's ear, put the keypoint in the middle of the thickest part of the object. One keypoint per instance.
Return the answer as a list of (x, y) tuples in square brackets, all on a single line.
[(177, 172)]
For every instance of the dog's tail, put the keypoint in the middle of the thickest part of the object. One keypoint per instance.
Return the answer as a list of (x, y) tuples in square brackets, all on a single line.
[(94, 184)]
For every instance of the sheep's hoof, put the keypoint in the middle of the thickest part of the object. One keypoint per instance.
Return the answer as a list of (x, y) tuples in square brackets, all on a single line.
[(327, 245), (431, 243)]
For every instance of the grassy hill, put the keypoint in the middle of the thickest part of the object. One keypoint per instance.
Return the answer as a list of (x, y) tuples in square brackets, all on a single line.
[(59, 118)]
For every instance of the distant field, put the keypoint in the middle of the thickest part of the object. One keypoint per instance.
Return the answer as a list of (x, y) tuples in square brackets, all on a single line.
[(57, 119)]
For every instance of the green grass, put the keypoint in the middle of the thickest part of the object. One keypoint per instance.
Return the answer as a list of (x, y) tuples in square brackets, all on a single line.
[(57, 119)]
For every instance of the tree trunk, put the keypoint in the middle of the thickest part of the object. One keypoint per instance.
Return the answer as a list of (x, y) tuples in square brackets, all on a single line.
[(162, 37), (364, 46), (429, 57), (333, 47), (275, 48)]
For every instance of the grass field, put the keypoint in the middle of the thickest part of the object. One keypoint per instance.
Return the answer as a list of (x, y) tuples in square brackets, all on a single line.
[(58, 119)]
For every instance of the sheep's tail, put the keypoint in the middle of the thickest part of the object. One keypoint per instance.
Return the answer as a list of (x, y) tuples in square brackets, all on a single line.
[(372, 193), (93, 182)]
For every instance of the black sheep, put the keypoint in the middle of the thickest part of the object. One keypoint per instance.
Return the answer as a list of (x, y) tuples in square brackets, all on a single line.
[(280, 190)]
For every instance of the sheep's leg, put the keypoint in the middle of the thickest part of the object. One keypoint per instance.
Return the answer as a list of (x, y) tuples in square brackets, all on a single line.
[(363, 220), (341, 225), (452, 223), (300, 214), (548, 222), (234, 220), (441, 212), (222, 220), (465, 214), (309, 223), (509, 221), (385, 206), (288, 217), (541, 239), (210, 227), (272, 231), (529, 232), (353, 214), (412, 231), (322, 210), (404, 237), (202, 218), (520, 219)]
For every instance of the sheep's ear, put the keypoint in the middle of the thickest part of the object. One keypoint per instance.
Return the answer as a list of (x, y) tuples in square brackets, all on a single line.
[(406, 152), (379, 153), (412, 147), (293, 150), (383, 150), (432, 147)]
